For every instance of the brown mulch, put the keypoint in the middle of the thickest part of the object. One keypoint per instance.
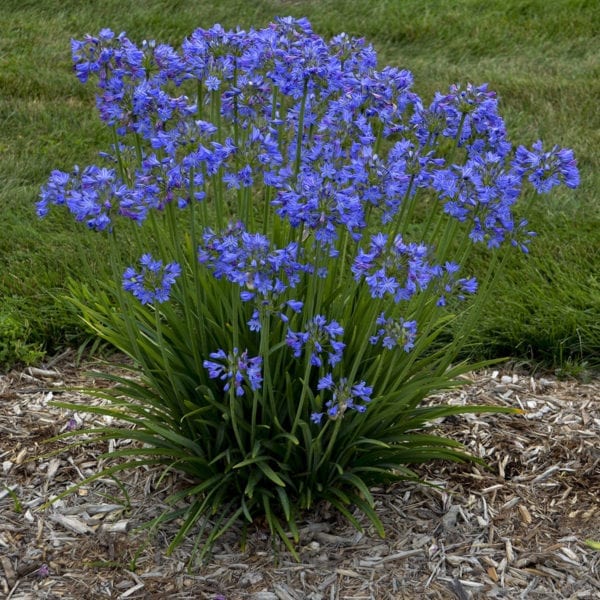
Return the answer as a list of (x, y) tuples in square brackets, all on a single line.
[(515, 531)]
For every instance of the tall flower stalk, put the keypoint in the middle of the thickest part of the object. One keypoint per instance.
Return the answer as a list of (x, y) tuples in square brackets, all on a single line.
[(291, 229)]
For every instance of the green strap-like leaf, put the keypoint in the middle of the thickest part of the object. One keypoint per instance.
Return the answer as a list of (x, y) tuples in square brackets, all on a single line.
[(268, 471)]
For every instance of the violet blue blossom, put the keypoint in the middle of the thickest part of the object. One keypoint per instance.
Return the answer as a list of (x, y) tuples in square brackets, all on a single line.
[(153, 282), (344, 397), (235, 369)]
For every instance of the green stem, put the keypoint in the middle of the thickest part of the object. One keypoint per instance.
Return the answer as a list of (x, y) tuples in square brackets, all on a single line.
[(268, 194), (206, 221), (115, 136), (176, 405), (342, 257), (125, 311), (330, 445), (195, 329), (300, 409), (363, 323), (391, 371), (311, 294), (373, 379), (138, 149), (234, 420), (407, 208), (265, 335), (199, 99), (447, 240)]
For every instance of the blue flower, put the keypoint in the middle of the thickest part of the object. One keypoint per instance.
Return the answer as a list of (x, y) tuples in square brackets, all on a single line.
[(153, 282), (212, 83), (235, 369), (395, 332), (170, 65), (468, 115), (313, 200), (319, 339), (53, 192), (546, 170), (454, 287), (481, 192), (88, 195), (248, 260), (397, 269), (344, 397)]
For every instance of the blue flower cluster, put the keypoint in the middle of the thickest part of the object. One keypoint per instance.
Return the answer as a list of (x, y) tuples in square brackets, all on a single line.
[(235, 369), (311, 144), (312, 116), (88, 194), (468, 115), (451, 286), (395, 332), (344, 397), (153, 282), (546, 170), (248, 260), (481, 192), (319, 339), (397, 268)]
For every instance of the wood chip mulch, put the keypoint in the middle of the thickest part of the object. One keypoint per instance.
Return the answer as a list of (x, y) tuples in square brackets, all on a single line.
[(517, 530)]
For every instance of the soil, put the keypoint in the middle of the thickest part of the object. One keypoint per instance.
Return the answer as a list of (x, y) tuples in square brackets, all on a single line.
[(516, 530)]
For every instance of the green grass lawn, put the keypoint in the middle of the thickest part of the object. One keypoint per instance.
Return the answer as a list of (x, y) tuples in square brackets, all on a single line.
[(542, 57)]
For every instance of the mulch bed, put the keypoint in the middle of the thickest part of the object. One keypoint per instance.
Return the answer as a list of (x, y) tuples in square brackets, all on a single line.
[(517, 530)]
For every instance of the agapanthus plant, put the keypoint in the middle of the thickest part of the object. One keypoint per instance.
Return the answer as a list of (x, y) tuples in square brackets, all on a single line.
[(290, 229)]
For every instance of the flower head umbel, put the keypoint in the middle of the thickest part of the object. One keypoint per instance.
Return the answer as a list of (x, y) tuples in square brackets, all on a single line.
[(482, 193), (319, 338), (399, 269), (453, 287), (395, 332), (469, 115), (153, 282), (88, 194), (546, 170), (235, 369), (248, 260), (344, 397)]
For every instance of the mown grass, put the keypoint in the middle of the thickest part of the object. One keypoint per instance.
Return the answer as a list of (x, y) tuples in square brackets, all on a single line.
[(541, 56)]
